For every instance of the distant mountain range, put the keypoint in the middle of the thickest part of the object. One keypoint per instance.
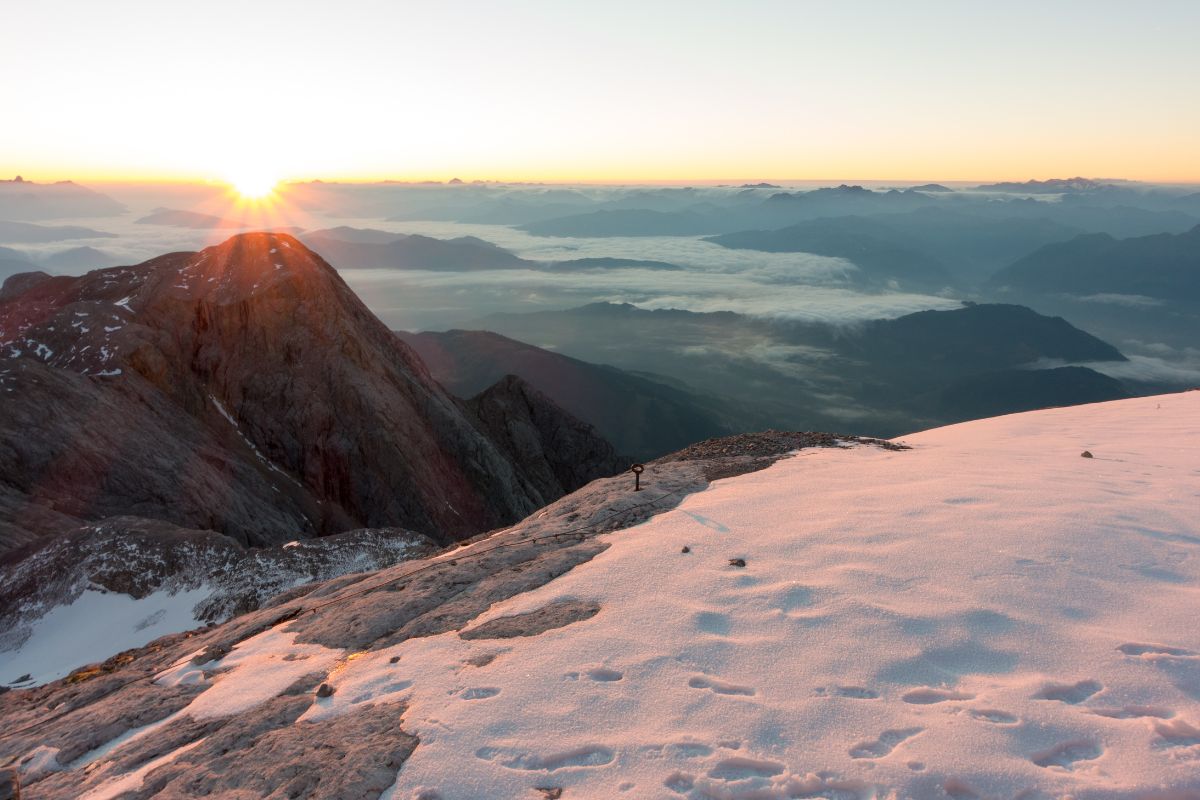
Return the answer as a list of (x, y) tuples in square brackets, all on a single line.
[(69, 260), (26, 200), (880, 253), (177, 218), (30, 233), (246, 390), (1052, 186), (366, 248), (1163, 266), (624, 222), (884, 377), (350, 248)]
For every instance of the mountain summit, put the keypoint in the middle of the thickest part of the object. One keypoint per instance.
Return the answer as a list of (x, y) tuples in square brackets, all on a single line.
[(243, 389)]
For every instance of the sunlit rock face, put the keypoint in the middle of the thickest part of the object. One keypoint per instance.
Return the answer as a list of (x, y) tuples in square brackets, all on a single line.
[(243, 389)]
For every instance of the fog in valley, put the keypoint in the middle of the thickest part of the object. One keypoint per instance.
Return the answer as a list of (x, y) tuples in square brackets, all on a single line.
[(767, 298)]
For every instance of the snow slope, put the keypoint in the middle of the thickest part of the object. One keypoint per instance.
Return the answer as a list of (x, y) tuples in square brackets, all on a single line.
[(97, 622), (986, 615)]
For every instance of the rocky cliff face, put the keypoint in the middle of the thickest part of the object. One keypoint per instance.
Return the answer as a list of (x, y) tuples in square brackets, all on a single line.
[(560, 452), (243, 389)]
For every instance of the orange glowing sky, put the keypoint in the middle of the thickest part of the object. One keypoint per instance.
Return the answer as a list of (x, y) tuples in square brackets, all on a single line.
[(600, 92)]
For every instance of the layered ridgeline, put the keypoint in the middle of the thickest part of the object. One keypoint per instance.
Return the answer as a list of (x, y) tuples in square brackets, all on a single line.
[(1162, 267), (1030, 616), (882, 377), (246, 390)]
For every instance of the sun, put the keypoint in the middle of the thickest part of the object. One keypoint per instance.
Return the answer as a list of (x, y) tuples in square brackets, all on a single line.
[(253, 186)]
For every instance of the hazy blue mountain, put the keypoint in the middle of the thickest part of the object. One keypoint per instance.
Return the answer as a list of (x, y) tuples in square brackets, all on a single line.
[(176, 218), (345, 233), (30, 233), (643, 418), (78, 258), (976, 337), (26, 200), (843, 200), (932, 246), (1123, 221), (13, 262), (972, 244), (1010, 391), (410, 252), (883, 377), (609, 263), (1165, 266), (1052, 186), (631, 222), (881, 253)]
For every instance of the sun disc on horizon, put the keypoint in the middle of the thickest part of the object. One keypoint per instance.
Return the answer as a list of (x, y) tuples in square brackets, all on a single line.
[(251, 186)]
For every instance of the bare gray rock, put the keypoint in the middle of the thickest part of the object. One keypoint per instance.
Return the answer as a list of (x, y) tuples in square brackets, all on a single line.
[(532, 623), (10, 785)]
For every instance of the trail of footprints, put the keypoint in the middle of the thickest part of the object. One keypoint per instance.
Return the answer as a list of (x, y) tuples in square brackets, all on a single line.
[(731, 767), (1170, 732)]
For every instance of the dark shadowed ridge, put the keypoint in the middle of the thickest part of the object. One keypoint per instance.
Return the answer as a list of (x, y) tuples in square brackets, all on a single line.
[(642, 417)]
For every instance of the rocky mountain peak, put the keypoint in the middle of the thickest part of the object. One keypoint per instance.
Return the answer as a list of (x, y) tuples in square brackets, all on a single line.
[(290, 409), (242, 266)]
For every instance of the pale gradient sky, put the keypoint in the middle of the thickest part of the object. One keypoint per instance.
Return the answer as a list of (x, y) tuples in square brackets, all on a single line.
[(600, 91)]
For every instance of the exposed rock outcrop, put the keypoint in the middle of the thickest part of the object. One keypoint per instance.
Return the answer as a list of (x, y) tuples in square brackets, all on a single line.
[(559, 452)]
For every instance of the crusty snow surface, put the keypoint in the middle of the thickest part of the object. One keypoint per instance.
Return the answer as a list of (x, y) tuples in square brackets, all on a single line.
[(986, 615)]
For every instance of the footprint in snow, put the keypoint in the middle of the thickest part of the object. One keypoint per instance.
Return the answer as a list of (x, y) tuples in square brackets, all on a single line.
[(1177, 733), (679, 782), (1152, 650), (690, 749), (1066, 754), (1070, 693), (479, 693), (740, 768), (599, 674), (851, 692), (712, 622), (1134, 712), (583, 756), (885, 744), (794, 598), (719, 686), (958, 789), (928, 696), (994, 716)]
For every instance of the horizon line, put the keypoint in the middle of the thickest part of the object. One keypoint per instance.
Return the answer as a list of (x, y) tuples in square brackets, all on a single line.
[(455, 180)]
